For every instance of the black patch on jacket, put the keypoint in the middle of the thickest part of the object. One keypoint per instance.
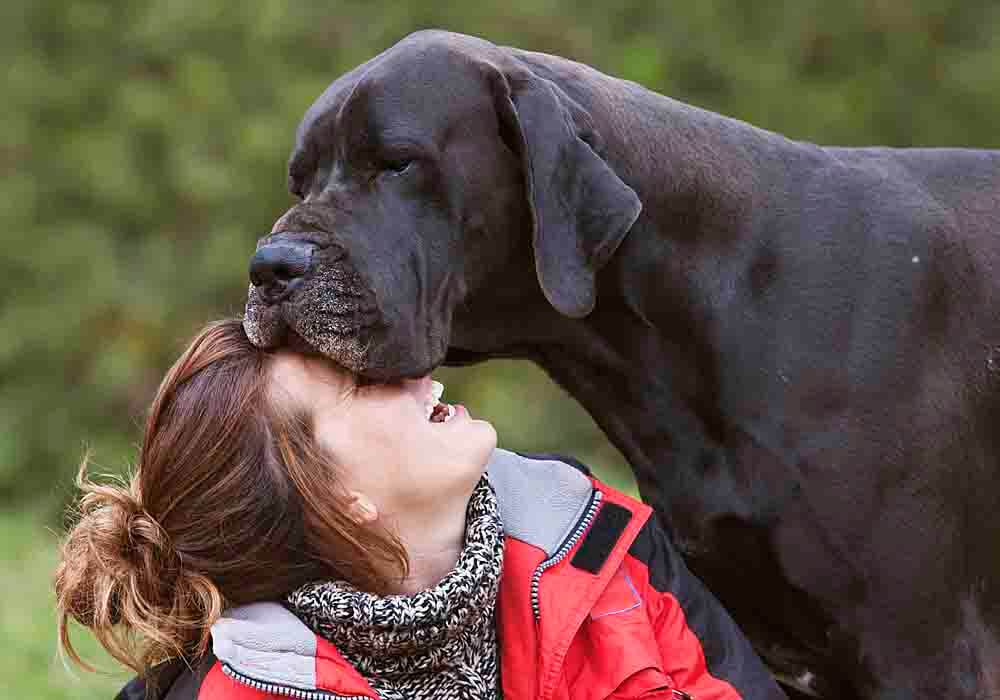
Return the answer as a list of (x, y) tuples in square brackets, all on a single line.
[(601, 538)]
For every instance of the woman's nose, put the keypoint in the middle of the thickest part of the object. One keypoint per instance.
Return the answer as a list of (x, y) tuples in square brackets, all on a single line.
[(277, 268)]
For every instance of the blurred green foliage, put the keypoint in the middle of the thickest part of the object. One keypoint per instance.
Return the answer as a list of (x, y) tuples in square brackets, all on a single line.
[(144, 144), (31, 669), (142, 152)]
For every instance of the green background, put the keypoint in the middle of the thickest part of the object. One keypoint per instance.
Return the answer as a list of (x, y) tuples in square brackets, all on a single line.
[(142, 152)]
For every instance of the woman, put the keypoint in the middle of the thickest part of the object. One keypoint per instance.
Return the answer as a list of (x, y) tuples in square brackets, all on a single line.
[(289, 532)]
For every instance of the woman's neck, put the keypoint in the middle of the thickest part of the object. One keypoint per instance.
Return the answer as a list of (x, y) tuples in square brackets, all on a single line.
[(433, 541)]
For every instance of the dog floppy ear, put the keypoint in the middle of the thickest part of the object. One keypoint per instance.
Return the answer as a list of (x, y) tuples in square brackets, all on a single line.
[(580, 209)]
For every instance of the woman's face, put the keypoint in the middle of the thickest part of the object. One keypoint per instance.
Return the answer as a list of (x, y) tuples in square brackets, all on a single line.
[(380, 436)]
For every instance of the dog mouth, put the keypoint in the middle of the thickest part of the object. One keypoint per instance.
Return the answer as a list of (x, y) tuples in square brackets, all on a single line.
[(311, 298), (297, 344), (328, 314)]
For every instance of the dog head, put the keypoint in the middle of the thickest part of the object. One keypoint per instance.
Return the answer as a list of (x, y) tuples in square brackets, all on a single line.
[(427, 175)]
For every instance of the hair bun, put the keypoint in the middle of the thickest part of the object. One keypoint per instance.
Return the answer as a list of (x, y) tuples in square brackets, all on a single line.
[(147, 549), (119, 568), (113, 546)]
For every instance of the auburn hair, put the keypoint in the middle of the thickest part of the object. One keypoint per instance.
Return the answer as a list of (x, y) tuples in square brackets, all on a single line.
[(231, 501)]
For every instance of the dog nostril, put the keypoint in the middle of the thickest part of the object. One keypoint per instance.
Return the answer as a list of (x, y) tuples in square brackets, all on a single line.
[(275, 267)]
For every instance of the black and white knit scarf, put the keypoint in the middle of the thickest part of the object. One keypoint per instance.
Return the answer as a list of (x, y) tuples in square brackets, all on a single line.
[(439, 643)]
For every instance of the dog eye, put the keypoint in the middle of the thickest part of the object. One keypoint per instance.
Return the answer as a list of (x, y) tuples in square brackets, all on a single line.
[(397, 166)]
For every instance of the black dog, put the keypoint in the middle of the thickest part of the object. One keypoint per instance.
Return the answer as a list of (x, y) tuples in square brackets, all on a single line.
[(797, 348)]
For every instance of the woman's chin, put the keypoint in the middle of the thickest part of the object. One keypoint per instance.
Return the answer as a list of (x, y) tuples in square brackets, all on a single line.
[(489, 443), (485, 435), (465, 442), (474, 442)]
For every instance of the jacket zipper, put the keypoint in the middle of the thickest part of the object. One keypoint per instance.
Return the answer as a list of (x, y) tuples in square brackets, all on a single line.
[(287, 691), (568, 544)]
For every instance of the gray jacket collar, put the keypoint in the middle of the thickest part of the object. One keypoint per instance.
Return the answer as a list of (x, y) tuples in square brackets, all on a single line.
[(541, 501)]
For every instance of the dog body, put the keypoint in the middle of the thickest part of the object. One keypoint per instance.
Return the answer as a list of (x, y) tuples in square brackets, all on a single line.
[(797, 348)]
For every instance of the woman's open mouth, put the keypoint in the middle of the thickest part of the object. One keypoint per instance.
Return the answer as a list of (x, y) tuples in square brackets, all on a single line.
[(437, 411)]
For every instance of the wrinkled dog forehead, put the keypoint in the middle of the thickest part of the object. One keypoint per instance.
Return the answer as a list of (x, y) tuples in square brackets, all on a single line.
[(417, 89)]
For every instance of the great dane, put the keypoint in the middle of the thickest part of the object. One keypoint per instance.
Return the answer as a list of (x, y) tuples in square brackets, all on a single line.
[(797, 348)]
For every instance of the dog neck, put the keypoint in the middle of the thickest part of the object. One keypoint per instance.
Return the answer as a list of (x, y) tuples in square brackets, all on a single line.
[(702, 177), (710, 186)]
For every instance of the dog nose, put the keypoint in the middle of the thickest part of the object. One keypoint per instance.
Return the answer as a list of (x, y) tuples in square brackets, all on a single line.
[(277, 268)]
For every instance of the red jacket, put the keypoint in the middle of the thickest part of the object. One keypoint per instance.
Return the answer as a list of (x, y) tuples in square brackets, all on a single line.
[(594, 603)]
